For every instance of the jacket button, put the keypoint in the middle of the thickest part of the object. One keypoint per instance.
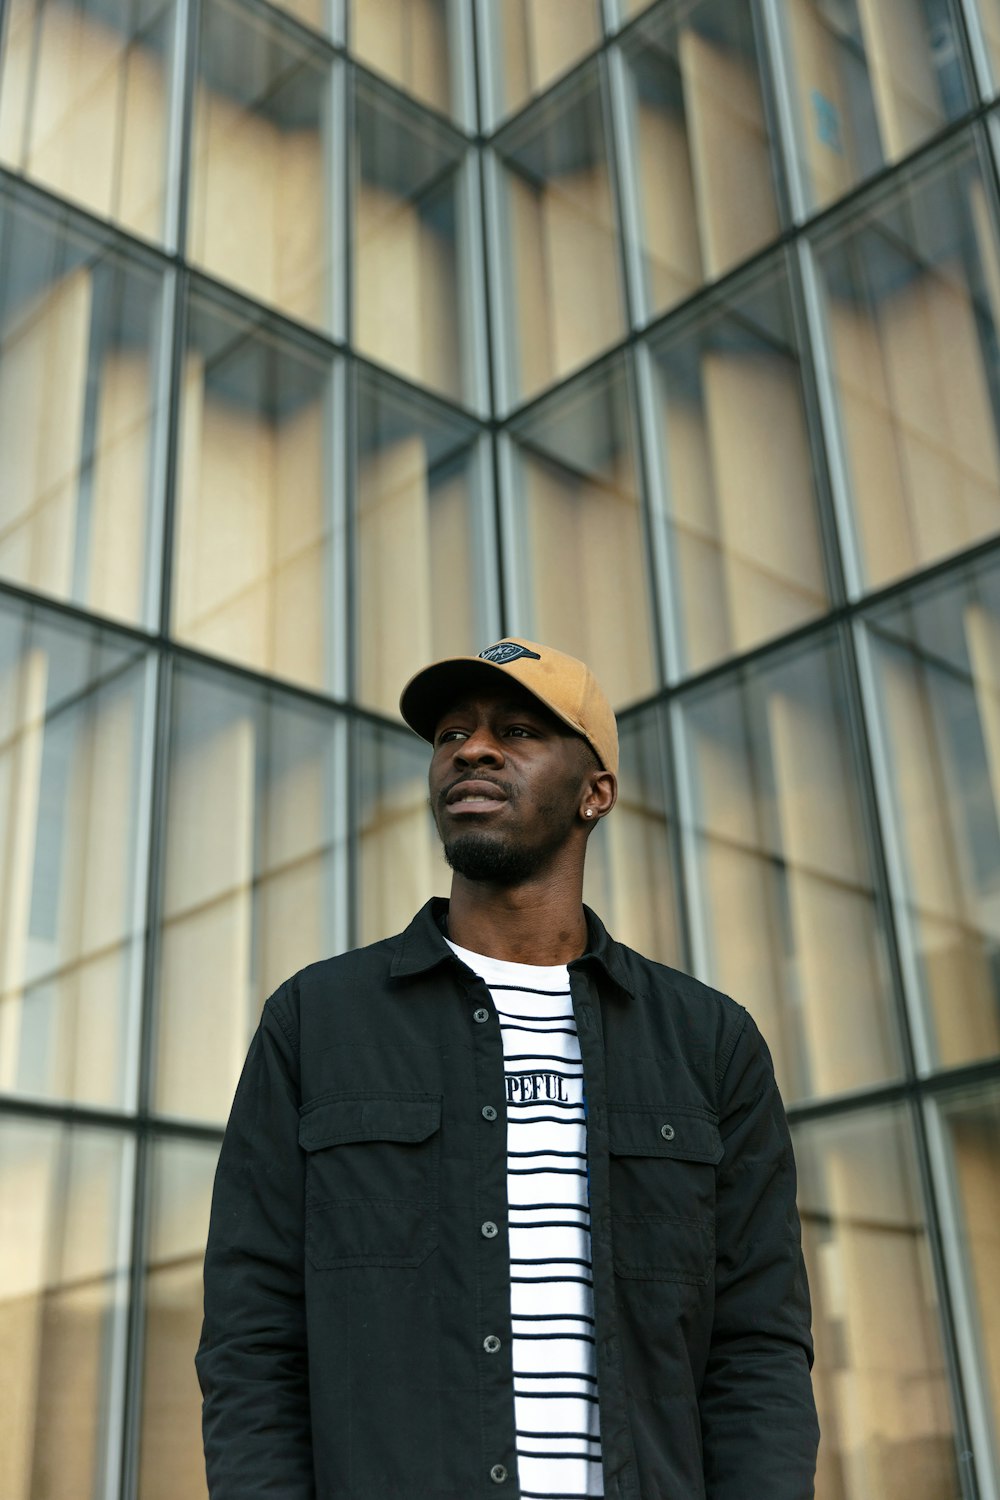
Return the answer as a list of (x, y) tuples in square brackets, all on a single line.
[(489, 1230), (491, 1344), (481, 1014), (498, 1473), (667, 1132), (489, 1113)]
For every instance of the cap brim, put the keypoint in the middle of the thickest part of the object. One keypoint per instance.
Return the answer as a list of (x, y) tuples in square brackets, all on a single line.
[(432, 690)]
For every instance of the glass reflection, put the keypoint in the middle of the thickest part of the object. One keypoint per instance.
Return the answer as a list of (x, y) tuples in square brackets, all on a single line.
[(528, 43), (937, 663), (630, 855), (880, 1378), (85, 103), (171, 1462), (871, 82), (63, 1304), (261, 177), (911, 285), (398, 859), (700, 139), (72, 732), (988, 14), (744, 536), (578, 552), (254, 576), (411, 244), (971, 1130), (416, 43), (423, 539), (783, 887), (80, 331), (560, 273), (252, 882)]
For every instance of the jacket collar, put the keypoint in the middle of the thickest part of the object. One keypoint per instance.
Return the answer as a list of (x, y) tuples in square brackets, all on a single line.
[(422, 947)]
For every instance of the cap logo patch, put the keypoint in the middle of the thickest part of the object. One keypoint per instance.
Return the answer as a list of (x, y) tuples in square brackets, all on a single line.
[(505, 652)]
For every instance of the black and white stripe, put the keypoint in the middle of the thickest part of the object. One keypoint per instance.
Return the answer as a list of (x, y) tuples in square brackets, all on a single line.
[(551, 1292)]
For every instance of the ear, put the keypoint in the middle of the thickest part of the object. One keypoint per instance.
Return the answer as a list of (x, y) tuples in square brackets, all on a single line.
[(600, 796)]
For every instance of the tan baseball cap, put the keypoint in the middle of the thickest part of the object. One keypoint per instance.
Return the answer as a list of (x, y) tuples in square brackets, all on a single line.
[(566, 686)]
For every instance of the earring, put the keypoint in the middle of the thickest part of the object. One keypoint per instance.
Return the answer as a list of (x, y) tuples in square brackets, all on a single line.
[(590, 812)]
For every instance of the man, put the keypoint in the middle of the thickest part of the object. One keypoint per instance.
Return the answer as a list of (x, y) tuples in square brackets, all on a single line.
[(504, 1208)]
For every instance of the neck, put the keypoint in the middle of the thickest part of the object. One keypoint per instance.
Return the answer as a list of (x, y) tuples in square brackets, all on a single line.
[(533, 923)]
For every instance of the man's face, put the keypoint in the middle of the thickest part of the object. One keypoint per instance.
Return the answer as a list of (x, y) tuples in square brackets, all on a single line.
[(507, 781)]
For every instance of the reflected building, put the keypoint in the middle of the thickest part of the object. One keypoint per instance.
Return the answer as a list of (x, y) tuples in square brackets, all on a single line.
[(340, 334)]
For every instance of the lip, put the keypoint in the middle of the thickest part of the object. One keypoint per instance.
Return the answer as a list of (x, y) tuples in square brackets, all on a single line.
[(474, 797)]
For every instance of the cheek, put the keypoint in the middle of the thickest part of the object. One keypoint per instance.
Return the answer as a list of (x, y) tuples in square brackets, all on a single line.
[(557, 804)]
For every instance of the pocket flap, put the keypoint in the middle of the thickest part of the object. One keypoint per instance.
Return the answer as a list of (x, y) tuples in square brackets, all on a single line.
[(335, 1121), (667, 1130)]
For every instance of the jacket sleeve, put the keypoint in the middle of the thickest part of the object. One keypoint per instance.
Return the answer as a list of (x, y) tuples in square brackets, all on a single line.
[(758, 1417), (251, 1361)]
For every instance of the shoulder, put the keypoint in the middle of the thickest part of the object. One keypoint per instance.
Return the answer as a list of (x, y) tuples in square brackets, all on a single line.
[(698, 1011), (372, 962), (317, 983)]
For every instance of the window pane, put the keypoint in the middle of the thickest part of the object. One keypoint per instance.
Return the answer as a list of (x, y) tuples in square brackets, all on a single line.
[(871, 81), (579, 556), (252, 885), (411, 244), (783, 881), (560, 270), (528, 43), (171, 1463), (399, 863), (910, 285), (744, 531), (880, 1378), (937, 662), (971, 1122), (630, 855), (254, 576), (315, 13), (700, 143), (72, 730), (989, 18), (260, 173), (80, 331), (424, 540), (85, 101), (63, 1296), (415, 43)]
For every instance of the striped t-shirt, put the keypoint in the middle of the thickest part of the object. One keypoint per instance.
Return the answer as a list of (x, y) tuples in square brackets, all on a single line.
[(551, 1282)]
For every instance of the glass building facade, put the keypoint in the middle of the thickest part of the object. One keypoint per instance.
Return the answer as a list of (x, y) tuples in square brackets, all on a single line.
[(338, 334)]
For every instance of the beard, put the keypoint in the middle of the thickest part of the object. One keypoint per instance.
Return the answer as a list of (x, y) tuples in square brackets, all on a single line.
[(478, 856)]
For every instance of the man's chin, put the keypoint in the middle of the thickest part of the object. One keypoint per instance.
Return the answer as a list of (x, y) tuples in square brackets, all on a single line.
[(490, 859)]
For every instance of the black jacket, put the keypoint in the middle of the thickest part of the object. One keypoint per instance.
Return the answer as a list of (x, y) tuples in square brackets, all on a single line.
[(349, 1283)]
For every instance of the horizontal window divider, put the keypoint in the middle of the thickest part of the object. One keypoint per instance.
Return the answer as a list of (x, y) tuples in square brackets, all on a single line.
[(89, 1116), (898, 1091), (841, 614), (180, 651), (911, 1089), (293, 26), (413, 102), (537, 102)]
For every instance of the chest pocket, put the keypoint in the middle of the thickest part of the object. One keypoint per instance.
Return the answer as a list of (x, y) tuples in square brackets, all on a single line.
[(663, 1161), (371, 1178)]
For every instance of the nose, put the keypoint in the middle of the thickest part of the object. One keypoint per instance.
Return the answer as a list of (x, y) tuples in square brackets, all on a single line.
[(481, 748)]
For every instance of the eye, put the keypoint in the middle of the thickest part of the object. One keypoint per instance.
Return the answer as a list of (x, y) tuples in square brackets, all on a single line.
[(521, 730), (447, 735)]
